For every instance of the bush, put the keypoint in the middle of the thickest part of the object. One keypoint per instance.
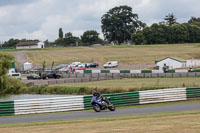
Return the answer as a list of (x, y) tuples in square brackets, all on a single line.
[(81, 90), (13, 86)]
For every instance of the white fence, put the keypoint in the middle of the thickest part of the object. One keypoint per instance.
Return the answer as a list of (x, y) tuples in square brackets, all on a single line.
[(162, 95), (44, 105)]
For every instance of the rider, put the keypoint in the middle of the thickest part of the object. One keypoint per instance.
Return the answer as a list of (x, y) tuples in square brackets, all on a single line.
[(97, 96)]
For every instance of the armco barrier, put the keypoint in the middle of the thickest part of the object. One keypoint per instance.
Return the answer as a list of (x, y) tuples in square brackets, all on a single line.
[(58, 104), (193, 92), (44, 105), (162, 95), (7, 108), (135, 71)]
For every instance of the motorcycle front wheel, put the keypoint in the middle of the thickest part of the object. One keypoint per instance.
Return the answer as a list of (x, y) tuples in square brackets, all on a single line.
[(111, 107), (96, 108)]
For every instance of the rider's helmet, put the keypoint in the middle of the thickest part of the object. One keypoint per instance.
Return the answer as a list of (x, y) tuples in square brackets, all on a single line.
[(98, 94), (94, 93)]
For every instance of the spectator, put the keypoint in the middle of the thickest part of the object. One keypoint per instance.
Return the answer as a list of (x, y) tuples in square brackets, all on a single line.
[(190, 69), (70, 68), (165, 68)]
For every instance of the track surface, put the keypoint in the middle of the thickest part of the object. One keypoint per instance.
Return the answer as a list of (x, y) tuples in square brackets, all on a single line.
[(92, 114)]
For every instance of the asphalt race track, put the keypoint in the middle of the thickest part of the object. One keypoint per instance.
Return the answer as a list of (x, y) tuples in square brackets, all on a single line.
[(92, 114)]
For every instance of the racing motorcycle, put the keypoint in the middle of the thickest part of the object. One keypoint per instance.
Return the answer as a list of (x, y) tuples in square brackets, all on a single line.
[(104, 104)]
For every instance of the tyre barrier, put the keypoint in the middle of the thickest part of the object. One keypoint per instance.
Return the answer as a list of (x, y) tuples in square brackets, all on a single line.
[(69, 103), (135, 71)]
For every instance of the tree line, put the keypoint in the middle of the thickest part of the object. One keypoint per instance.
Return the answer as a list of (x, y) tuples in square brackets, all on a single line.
[(89, 37), (169, 32), (120, 25)]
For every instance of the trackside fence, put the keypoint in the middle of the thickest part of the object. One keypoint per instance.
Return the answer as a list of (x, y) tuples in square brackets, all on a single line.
[(7, 108), (45, 105), (59, 104)]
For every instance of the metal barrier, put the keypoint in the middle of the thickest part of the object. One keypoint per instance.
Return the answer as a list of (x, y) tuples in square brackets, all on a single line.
[(44, 105), (58, 104), (7, 108)]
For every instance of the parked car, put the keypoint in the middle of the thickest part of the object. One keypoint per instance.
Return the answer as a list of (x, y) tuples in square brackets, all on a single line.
[(111, 64), (92, 65), (51, 74), (75, 64), (37, 69), (79, 68), (82, 65), (59, 67), (33, 76)]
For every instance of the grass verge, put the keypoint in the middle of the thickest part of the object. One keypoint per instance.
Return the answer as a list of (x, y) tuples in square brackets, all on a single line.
[(114, 86), (187, 121)]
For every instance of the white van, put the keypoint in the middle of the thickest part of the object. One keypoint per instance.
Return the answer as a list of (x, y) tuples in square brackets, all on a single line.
[(12, 73), (110, 64), (15, 75)]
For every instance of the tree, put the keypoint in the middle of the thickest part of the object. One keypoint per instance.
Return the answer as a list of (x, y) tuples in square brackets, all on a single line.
[(159, 33), (70, 39), (5, 61), (170, 19), (194, 33), (46, 41), (90, 37), (60, 41), (68, 35), (11, 43), (178, 33), (138, 37), (194, 21), (148, 35), (60, 34), (8, 85), (119, 23)]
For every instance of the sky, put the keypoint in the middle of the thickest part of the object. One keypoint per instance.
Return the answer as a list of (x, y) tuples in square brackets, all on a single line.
[(41, 19)]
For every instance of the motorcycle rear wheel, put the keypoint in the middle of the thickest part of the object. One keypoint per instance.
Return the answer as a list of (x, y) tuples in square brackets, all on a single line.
[(111, 107), (96, 108)]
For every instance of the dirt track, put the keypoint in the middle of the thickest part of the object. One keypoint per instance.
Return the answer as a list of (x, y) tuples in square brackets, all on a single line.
[(20, 58)]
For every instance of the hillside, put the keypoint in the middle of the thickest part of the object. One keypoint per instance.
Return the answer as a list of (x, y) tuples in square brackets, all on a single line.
[(125, 55)]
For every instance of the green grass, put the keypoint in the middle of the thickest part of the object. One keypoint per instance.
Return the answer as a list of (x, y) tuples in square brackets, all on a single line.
[(140, 83), (111, 118), (114, 86), (185, 121)]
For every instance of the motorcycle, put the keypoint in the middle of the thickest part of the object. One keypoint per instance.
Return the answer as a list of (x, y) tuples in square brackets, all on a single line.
[(105, 104)]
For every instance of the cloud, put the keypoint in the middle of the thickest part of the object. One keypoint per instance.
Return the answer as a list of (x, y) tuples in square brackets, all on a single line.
[(14, 2), (41, 19)]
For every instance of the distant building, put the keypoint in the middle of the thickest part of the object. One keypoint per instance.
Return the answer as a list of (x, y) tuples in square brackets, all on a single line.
[(193, 63), (171, 63), (29, 45), (27, 66)]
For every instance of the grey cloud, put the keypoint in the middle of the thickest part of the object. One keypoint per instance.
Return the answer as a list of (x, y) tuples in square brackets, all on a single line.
[(183, 9), (80, 15), (15, 2)]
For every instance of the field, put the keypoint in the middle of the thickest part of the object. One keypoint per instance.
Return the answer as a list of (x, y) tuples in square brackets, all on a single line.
[(140, 83), (125, 55), (177, 122)]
